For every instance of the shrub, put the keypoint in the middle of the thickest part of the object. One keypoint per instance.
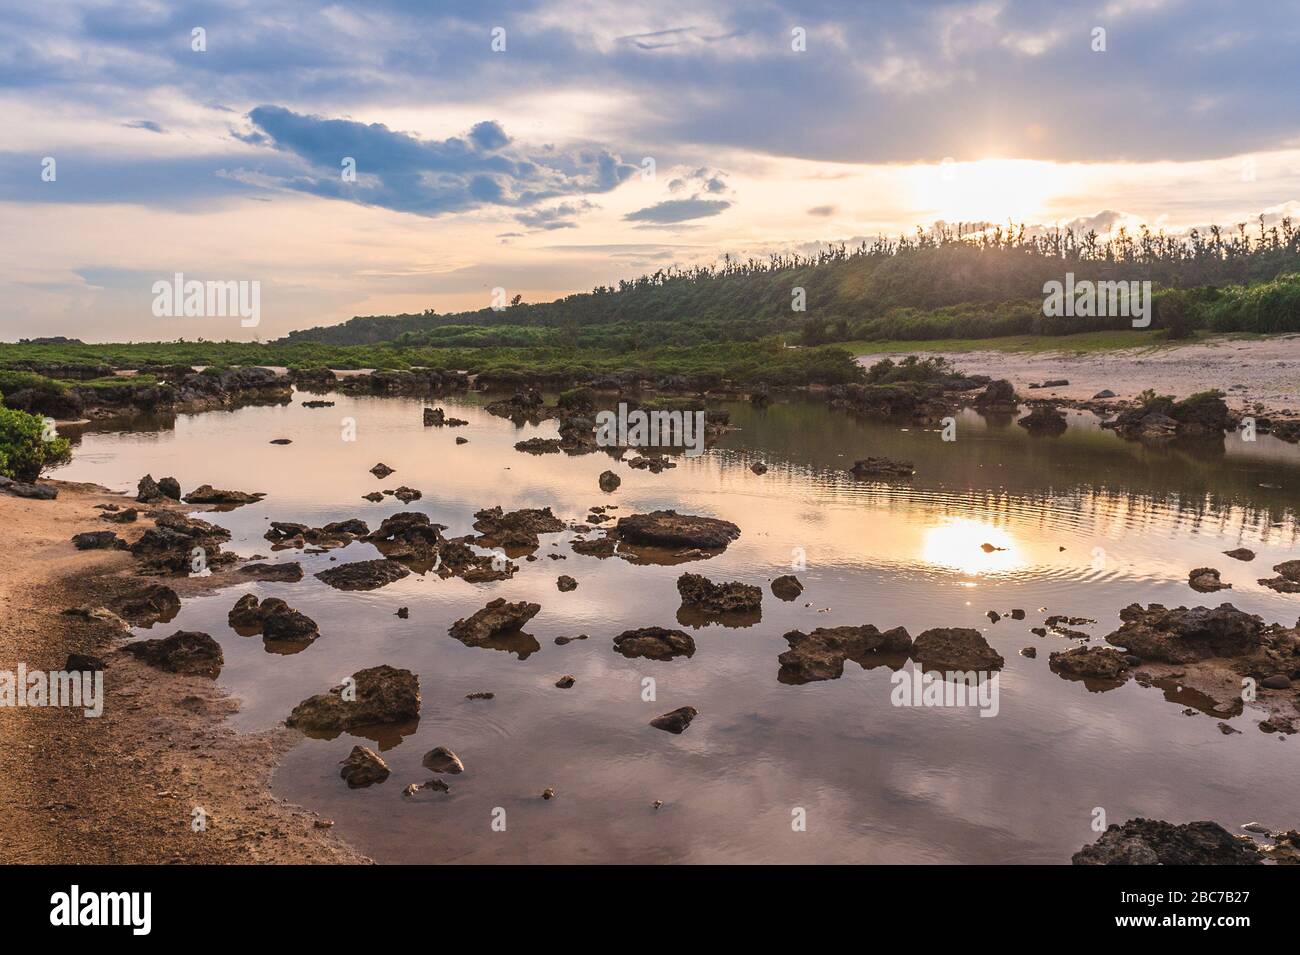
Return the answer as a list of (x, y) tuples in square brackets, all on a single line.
[(24, 450)]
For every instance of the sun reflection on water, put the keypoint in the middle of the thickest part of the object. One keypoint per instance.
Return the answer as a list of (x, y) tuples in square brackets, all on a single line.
[(958, 543)]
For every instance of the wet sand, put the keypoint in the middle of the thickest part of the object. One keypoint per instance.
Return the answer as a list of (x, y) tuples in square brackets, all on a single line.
[(122, 788)]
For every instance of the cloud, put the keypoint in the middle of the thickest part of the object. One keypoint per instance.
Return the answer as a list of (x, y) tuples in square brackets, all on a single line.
[(399, 171), (678, 210), (556, 217), (148, 124), (822, 211)]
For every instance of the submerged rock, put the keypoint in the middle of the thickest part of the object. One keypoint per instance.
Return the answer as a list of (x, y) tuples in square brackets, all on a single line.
[(820, 655), (1184, 636), (363, 767), (670, 529), (700, 593), (654, 643), (1288, 579), (288, 572), (377, 695), (565, 583), (363, 574), (515, 528), (185, 651), (675, 721), (1090, 663), (207, 494), (1206, 580), (1044, 419), (155, 603), (882, 467), (498, 617), (1240, 553), (1154, 842), (955, 648), (609, 481), (787, 587)]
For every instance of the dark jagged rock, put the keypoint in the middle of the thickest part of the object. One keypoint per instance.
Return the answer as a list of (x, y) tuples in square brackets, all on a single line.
[(1154, 842), (377, 695), (539, 446), (169, 545), (1288, 579), (363, 767), (32, 491), (1184, 636), (609, 481), (566, 682), (675, 721), (185, 651), (515, 528), (287, 572), (1240, 553), (670, 529), (787, 587), (1090, 663), (1044, 419), (654, 463), (155, 603), (274, 618), (408, 535), (497, 618), (700, 593), (820, 655), (98, 540), (363, 574), (128, 515), (1206, 580), (207, 494), (998, 397), (382, 470), (758, 467), (336, 534), (83, 663), (881, 467), (654, 643), (565, 583), (1202, 415), (955, 648)]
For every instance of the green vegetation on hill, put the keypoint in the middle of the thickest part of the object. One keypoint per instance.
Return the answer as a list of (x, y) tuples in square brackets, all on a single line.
[(937, 285)]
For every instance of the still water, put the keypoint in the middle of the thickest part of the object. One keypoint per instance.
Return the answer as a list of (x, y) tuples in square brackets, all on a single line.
[(1088, 523)]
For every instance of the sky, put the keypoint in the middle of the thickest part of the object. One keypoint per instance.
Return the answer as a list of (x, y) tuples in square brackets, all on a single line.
[(390, 156)]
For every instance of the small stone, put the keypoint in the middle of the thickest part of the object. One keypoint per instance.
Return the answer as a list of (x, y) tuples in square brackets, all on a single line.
[(675, 721), (442, 760), (1030, 652), (565, 583), (404, 612), (548, 793), (363, 767), (565, 681), (480, 695)]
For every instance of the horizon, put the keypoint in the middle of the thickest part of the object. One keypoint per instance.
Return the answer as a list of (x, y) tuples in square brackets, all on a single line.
[(229, 163)]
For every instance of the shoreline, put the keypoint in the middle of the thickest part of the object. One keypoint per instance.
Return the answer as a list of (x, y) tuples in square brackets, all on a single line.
[(122, 788), (1248, 372)]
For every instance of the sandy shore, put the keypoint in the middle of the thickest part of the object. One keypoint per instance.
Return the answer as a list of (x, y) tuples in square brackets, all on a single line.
[(1249, 372), (122, 788)]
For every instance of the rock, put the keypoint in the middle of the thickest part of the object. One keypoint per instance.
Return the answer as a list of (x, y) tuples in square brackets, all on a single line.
[(997, 397), (405, 494), (1227, 730), (1240, 553), (127, 515), (882, 467), (381, 470), (609, 481), (83, 663), (1206, 580), (993, 616), (378, 695), (460, 440), (1017, 614), (1278, 681), (1184, 636), (170, 487), (1089, 663), (654, 643), (787, 587), (654, 463), (281, 441), (363, 574), (700, 593), (758, 467), (955, 648), (561, 641), (434, 417), (1044, 419), (98, 540), (565, 583), (403, 612), (155, 603), (548, 793), (148, 491), (675, 721), (1288, 581), (515, 528), (169, 545), (36, 492), (566, 682), (1031, 652), (1054, 383), (442, 760), (185, 651), (372, 496), (1104, 393), (1154, 842), (207, 494), (496, 618), (363, 767), (670, 529), (990, 548), (288, 572), (480, 695), (820, 655), (274, 618)]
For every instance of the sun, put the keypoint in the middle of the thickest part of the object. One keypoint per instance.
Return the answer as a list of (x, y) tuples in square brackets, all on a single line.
[(959, 543), (992, 190)]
